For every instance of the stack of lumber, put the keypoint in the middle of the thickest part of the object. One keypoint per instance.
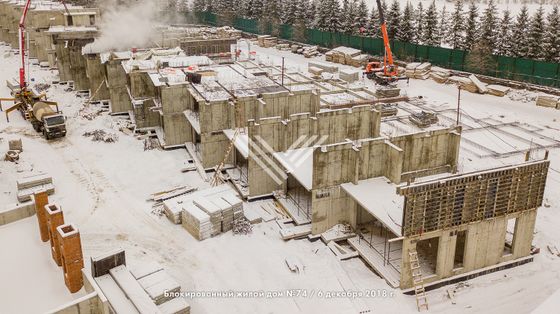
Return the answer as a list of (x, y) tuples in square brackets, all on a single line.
[(498, 90), (411, 68), (315, 71), (30, 184), (548, 101), (440, 75), (296, 48), (325, 66), (465, 83), (310, 51), (196, 222), (343, 55)]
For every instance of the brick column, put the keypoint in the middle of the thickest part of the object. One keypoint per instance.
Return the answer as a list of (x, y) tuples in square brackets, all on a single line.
[(41, 199), (55, 218), (71, 256)]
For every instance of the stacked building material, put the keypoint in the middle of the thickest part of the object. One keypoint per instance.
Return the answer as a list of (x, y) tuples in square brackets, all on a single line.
[(310, 51), (411, 68), (28, 185), (270, 41), (422, 71), (424, 119), (213, 211), (196, 222), (283, 47), (440, 75), (325, 66), (482, 89), (548, 101), (261, 39), (387, 92), (315, 71), (465, 83), (349, 75), (359, 60), (157, 284), (498, 90)]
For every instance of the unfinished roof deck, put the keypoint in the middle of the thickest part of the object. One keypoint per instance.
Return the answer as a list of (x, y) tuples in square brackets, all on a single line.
[(379, 197)]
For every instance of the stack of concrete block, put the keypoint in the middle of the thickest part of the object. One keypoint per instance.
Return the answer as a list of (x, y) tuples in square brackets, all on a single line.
[(213, 211), (157, 284), (269, 42), (422, 71), (349, 75), (548, 101), (482, 89), (283, 47), (359, 61), (498, 90), (411, 68), (29, 185), (315, 71), (387, 92), (465, 83), (440, 75), (261, 39), (310, 51), (342, 55), (325, 66), (196, 222)]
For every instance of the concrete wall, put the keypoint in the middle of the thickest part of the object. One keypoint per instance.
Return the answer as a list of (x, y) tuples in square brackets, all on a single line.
[(484, 246), (428, 153), (16, 212), (117, 85), (97, 75), (175, 125), (144, 116), (207, 46)]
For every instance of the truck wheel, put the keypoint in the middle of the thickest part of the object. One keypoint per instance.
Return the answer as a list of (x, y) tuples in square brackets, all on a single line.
[(46, 135)]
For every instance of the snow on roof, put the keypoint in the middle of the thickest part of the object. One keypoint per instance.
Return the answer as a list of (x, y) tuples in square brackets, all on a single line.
[(298, 163), (378, 196), (211, 90), (168, 76), (64, 29), (241, 142)]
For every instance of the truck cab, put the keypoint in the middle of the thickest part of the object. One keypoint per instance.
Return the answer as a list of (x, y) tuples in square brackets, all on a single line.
[(54, 126)]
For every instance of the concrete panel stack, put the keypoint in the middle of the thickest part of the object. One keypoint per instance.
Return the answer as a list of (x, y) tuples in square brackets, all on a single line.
[(498, 90), (71, 256), (465, 83), (310, 52), (548, 101), (41, 199), (482, 89), (196, 222), (55, 218), (422, 71), (325, 66), (440, 75), (411, 68), (28, 185), (349, 75), (159, 286), (261, 39), (387, 92), (343, 55)]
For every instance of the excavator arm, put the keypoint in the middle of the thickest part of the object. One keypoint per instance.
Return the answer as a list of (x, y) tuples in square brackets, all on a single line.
[(22, 82)]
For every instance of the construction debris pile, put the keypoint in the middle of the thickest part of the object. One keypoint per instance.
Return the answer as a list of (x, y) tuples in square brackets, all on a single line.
[(101, 136)]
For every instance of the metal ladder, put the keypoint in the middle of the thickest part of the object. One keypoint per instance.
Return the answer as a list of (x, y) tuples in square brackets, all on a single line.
[(417, 281)]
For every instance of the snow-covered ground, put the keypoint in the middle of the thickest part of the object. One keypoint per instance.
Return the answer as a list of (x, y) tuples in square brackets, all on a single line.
[(103, 188)]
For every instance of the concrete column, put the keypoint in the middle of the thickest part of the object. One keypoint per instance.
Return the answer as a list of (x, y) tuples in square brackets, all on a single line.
[(446, 254), (55, 218), (41, 199), (71, 256)]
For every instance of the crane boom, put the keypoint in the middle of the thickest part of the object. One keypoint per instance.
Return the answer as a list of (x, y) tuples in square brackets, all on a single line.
[(22, 82), (389, 68)]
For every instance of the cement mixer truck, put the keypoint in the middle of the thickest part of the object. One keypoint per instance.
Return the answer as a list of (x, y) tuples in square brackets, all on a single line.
[(44, 119)]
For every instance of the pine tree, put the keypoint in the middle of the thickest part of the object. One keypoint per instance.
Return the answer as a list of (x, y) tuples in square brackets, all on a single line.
[(443, 26), (407, 29), (321, 15), (504, 36), (310, 14), (488, 26), (289, 11), (199, 5), (455, 36), (471, 27), (536, 31), (393, 19), (333, 19), (361, 18), (430, 35), (419, 23), (551, 41), (520, 46), (346, 14), (373, 29)]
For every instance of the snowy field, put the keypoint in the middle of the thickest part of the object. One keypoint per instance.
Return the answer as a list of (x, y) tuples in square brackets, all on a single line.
[(103, 187)]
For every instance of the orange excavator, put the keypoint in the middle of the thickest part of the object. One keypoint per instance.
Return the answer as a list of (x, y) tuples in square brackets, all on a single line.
[(385, 73)]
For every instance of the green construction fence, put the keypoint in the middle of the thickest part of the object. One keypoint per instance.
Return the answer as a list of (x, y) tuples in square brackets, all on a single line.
[(518, 69)]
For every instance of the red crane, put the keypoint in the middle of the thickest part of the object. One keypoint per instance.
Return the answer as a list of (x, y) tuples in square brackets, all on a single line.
[(387, 73), (22, 82)]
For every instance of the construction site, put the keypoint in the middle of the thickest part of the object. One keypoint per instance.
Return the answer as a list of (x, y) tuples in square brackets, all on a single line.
[(204, 169)]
